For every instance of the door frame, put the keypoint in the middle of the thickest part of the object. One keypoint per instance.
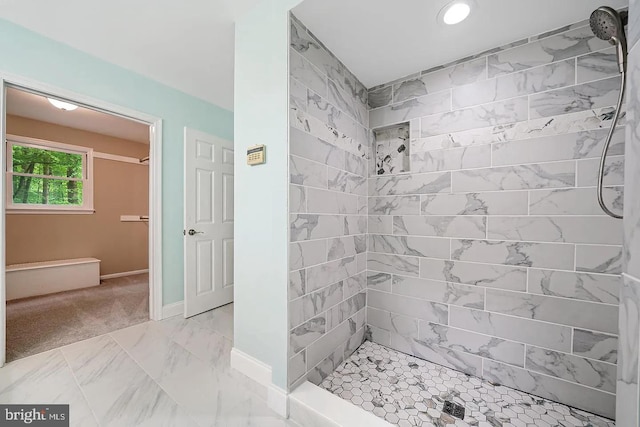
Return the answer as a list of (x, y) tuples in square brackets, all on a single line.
[(155, 184)]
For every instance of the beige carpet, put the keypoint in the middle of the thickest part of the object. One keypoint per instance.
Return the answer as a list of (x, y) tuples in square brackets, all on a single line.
[(41, 323)]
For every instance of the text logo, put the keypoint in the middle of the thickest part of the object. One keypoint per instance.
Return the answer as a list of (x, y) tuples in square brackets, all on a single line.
[(34, 415)]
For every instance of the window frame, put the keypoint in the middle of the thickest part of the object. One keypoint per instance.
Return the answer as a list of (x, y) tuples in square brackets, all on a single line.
[(41, 144)]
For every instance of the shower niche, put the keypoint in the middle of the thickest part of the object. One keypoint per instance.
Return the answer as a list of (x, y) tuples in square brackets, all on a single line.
[(392, 149)]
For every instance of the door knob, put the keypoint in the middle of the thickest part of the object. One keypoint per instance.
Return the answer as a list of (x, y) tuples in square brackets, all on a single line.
[(193, 232)]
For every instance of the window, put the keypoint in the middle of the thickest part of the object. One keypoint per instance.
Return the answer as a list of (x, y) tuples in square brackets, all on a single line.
[(44, 176)]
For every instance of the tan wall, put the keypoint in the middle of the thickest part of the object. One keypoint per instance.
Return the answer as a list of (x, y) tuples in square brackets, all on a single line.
[(119, 189)]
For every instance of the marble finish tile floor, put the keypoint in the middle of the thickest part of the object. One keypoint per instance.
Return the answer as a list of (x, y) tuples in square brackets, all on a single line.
[(174, 372), (407, 391)]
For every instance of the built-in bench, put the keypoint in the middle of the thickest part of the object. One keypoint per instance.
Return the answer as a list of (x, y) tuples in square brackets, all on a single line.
[(48, 277)]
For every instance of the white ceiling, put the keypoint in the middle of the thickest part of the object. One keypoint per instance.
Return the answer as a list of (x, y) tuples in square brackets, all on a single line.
[(187, 45), (31, 106), (382, 40)]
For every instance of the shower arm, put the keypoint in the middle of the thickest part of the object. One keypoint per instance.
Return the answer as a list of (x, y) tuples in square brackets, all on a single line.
[(603, 158)]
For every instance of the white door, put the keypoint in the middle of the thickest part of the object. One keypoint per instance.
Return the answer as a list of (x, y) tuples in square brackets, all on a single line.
[(208, 222)]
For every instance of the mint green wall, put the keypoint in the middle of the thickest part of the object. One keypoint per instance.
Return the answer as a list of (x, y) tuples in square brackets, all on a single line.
[(31, 55), (261, 218)]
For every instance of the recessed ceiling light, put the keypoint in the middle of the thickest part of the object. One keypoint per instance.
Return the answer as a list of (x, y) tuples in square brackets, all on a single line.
[(455, 12), (66, 106)]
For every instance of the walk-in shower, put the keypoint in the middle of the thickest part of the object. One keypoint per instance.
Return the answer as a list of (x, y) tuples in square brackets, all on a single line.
[(607, 24), (449, 261)]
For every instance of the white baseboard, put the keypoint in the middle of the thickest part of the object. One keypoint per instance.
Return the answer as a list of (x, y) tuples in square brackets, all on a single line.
[(277, 398), (253, 368), (175, 309), (123, 274)]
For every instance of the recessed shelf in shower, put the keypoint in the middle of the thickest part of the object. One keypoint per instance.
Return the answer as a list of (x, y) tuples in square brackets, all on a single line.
[(392, 149)]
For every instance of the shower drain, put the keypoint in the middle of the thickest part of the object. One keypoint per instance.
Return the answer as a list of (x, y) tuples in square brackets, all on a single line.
[(453, 409)]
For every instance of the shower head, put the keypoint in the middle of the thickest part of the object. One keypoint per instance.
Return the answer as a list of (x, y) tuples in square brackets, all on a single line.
[(607, 24)]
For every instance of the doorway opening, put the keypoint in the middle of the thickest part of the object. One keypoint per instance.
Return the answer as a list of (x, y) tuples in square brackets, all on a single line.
[(81, 220)]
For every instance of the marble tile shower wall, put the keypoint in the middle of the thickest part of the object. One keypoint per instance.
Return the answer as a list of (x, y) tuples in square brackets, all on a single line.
[(328, 147), (628, 397), (491, 256)]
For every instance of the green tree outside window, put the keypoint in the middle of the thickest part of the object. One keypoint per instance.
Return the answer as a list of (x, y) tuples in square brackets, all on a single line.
[(46, 177)]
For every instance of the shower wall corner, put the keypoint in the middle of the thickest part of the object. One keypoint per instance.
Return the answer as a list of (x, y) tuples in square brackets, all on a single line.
[(329, 164)]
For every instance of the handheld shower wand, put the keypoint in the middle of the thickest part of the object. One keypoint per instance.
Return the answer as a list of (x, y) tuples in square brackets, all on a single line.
[(607, 24)]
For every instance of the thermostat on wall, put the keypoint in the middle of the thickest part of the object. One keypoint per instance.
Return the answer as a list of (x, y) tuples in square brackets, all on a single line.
[(256, 155)]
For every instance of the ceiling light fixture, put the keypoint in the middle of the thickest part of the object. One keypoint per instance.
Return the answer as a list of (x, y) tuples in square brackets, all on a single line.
[(455, 12), (66, 106)]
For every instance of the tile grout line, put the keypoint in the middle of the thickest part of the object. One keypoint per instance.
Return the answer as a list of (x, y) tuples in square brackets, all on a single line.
[(498, 76), (525, 293), (528, 319), (512, 266), (440, 92), (474, 332), (187, 412), (84, 396), (573, 333)]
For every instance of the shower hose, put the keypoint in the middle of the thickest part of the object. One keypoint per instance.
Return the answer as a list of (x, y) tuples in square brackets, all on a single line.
[(603, 159)]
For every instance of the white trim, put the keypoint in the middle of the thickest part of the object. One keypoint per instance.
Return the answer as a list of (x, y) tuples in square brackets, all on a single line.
[(155, 220), (47, 264), (30, 211), (44, 144), (171, 310), (155, 184), (117, 158), (277, 398), (39, 143), (3, 222), (253, 368), (81, 100), (123, 274), (314, 406), (134, 218), (75, 149)]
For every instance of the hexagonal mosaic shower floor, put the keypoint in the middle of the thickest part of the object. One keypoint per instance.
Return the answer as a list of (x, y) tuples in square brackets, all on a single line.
[(408, 391)]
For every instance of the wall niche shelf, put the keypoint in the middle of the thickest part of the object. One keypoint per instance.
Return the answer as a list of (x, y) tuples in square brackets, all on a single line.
[(392, 149)]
